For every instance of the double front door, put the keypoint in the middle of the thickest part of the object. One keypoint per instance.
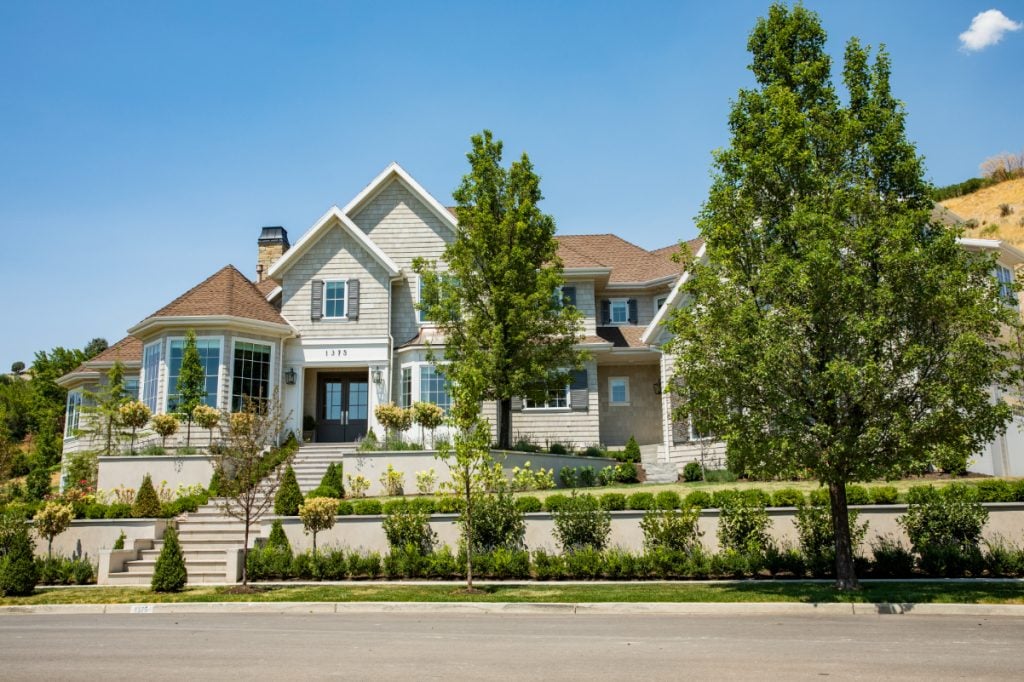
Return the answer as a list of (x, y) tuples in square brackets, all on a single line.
[(343, 406)]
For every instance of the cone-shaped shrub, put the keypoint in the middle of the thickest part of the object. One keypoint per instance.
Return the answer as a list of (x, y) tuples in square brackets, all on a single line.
[(289, 497), (170, 574), (278, 539), (332, 481), (147, 504), (18, 572)]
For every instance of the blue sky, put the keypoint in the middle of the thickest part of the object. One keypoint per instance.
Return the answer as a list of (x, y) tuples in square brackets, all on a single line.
[(144, 144)]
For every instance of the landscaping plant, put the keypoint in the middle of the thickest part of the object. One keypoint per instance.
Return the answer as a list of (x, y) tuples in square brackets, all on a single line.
[(147, 503), (169, 574), (52, 519), (318, 514), (580, 523), (289, 496), (18, 573)]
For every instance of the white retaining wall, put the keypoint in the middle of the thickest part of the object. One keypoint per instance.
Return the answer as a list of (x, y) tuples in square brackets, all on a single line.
[(128, 472)]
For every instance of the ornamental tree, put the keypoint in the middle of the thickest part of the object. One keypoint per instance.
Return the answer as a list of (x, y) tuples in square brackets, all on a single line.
[(134, 415), (52, 519), (495, 298), (165, 425), (318, 514), (834, 329)]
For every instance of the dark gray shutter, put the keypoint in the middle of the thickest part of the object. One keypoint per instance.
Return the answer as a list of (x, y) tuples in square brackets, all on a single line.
[(316, 300), (633, 317), (569, 296), (579, 394), (606, 311), (517, 404), (353, 299)]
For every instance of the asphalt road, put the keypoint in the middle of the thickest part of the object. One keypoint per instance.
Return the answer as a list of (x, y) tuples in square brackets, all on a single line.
[(488, 646)]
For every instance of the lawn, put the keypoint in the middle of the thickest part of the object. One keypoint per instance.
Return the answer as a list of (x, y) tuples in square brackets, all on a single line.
[(742, 591)]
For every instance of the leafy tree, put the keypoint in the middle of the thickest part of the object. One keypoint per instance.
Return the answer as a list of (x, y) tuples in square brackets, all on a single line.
[(49, 398), (102, 409), (191, 384), (134, 415), (18, 572), (95, 347), (17, 367), (52, 519), (165, 425), (289, 495), (496, 300), (206, 417), (318, 514), (833, 329), (38, 483), (170, 573)]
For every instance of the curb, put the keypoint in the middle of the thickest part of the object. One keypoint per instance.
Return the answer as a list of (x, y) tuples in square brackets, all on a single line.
[(532, 608)]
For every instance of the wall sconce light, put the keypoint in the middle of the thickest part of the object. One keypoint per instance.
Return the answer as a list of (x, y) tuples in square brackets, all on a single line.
[(289, 376), (377, 376), (657, 388)]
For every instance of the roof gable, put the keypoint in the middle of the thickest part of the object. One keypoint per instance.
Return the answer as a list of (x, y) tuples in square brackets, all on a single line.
[(227, 292), (396, 172)]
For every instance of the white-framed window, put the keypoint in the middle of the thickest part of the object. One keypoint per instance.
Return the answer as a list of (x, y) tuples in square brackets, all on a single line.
[(209, 356), (150, 375), (434, 387), (660, 302), (131, 387), (250, 372), (334, 298), (618, 310), (554, 399), (74, 413), (694, 433), (1004, 276), (618, 390), (406, 389)]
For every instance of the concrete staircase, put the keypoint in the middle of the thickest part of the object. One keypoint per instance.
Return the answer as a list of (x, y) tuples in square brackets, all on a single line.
[(311, 461)]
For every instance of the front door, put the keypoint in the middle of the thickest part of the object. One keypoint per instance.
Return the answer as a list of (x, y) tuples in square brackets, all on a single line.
[(342, 408)]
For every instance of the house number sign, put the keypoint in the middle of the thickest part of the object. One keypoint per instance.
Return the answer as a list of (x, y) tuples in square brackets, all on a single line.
[(336, 352)]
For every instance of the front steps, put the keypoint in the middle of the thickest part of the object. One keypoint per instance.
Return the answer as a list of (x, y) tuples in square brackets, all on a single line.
[(311, 462)]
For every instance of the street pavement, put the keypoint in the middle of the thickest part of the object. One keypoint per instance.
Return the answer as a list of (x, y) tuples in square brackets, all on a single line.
[(426, 646)]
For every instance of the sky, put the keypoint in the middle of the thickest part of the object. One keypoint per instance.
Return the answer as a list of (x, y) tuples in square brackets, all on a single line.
[(144, 144)]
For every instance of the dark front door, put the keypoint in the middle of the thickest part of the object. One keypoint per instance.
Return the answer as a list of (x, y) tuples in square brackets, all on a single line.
[(342, 408)]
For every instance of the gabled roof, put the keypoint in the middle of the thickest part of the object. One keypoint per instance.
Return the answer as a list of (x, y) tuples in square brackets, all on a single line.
[(267, 287), (226, 293), (127, 351), (334, 216), (667, 252), (629, 263), (650, 334), (394, 171)]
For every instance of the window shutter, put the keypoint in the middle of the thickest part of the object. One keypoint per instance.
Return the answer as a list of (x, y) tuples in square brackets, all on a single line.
[(517, 404), (579, 395), (633, 317), (353, 299), (606, 311), (569, 296), (316, 300)]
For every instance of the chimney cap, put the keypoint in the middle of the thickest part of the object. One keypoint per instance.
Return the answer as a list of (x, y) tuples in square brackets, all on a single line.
[(274, 235)]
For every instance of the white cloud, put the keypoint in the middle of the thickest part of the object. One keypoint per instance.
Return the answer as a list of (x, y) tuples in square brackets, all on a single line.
[(987, 29)]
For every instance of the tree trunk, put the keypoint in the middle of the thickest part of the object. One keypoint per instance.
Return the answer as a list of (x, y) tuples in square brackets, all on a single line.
[(469, 532), (846, 577), (188, 433), (245, 553), (505, 424)]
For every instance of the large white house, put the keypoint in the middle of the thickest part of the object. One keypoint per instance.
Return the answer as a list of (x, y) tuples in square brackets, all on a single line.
[(330, 324)]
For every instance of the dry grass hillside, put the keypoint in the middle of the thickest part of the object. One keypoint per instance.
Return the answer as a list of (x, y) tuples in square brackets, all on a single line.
[(985, 208)]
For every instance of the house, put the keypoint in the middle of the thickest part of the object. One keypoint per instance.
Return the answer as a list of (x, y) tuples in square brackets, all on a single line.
[(330, 324)]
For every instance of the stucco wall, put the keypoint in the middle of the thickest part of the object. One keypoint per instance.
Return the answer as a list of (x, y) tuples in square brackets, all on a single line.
[(86, 537), (128, 471), (641, 418)]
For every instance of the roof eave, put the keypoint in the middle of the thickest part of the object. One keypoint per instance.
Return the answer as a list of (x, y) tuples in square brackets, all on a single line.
[(152, 324)]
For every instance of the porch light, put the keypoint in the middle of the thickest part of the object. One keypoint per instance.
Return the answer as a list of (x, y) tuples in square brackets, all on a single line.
[(289, 376), (657, 388), (377, 375)]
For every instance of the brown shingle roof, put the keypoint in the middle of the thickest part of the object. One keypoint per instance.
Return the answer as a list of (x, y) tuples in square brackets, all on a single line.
[(266, 286), (628, 262), (126, 351), (226, 292), (622, 337), (666, 252)]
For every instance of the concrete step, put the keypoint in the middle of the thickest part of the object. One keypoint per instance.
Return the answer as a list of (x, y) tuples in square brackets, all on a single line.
[(189, 554), (205, 566)]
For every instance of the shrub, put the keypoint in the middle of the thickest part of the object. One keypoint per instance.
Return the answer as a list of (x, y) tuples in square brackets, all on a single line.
[(625, 472), (428, 416), (503, 564), (358, 485), (393, 418), (528, 504), (891, 559), (742, 526), (558, 449), (606, 476), (426, 481), (449, 504), (18, 572), (51, 520), (278, 539), (586, 477), (64, 571), (819, 497), (497, 524), (920, 494), (818, 539), (317, 515), (857, 494), (784, 560), (594, 451), (632, 450), (1003, 560), (394, 506), (345, 508), (641, 501), (945, 528), (553, 503), (409, 529), (288, 497), (613, 501), (169, 574), (719, 476), (119, 542), (581, 523), (548, 566), (667, 499), (1018, 491), (525, 445), (165, 425), (333, 480), (995, 490), (567, 477), (693, 472), (788, 497), (118, 511), (700, 499), (884, 494), (392, 481), (147, 504), (671, 530), (38, 483), (422, 504), (366, 507)]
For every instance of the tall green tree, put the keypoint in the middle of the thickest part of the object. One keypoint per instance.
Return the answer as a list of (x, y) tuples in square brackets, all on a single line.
[(102, 410), (191, 383), (496, 296), (95, 347), (834, 329)]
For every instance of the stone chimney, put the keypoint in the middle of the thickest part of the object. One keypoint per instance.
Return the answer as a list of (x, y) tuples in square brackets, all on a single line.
[(273, 243)]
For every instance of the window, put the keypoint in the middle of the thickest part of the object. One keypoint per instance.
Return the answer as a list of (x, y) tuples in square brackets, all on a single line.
[(250, 377), (1005, 278), (619, 311), (434, 387), (421, 315), (209, 358), (131, 387), (660, 302), (334, 299), (406, 397), (74, 411), (555, 398), (150, 374), (695, 433), (618, 391)]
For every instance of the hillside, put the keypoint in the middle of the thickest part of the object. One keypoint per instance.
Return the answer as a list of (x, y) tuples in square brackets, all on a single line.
[(983, 207)]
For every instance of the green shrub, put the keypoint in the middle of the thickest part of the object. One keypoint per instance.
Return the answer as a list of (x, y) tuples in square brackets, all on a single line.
[(289, 496), (367, 565), (1003, 560), (581, 523), (503, 564), (367, 507), (345, 508), (594, 451), (613, 501), (586, 477), (586, 563), (667, 499), (788, 497), (625, 472), (396, 505), (558, 449), (995, 490), (18, 572), (548, 566), (1018, 491), (671, 529), (497, 524), (169, 574), (857, 494), (118, 510), (641, 501), (524, 445), (920, 494), (945, 529), (719, 476), (320, 491), (409, 529), (720, 498), (450, 504), (215, 482), (528, 504), (818, 540), (147, 504), (422, 504), (785, 560), (755, 497), (269, 563), (405, 562), (37, 484), (333, 482), (819, 497), (730, 563), (891, 559), (119, 542), (693, 472), (632, 450), (567, 477), (742, 526), (278, 539), (700, 499), (555, 502), (884, 494), (64, 571)]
